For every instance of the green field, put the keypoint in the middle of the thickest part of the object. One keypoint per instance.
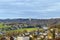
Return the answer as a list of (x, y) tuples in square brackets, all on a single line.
[(3, 26), (22, 30)]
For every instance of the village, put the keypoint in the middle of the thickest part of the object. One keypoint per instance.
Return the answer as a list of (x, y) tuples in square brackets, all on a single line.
[(44, 33)]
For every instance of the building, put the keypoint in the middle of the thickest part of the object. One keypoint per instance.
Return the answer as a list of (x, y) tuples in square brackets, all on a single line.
[(22, 38)]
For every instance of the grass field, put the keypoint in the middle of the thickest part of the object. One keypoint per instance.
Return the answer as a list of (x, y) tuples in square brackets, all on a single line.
[(21, 29), (27, 29), (3, 26)]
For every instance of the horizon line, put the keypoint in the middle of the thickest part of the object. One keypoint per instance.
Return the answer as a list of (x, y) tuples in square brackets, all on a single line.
[(31, 18)]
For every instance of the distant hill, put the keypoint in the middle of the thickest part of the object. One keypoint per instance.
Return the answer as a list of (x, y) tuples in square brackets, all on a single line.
[(33, 21)]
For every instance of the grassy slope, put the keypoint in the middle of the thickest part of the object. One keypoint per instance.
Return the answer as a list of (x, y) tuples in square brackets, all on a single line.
[(3, 26), (22, 30), (28, 29)]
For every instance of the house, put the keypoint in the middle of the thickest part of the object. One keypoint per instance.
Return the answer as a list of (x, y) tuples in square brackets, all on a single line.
[(22, 38)]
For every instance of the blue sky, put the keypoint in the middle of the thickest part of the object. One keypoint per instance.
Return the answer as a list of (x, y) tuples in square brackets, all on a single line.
[(29, 9)]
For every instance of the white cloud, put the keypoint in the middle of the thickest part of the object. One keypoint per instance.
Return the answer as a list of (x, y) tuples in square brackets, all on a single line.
[(39, 7)]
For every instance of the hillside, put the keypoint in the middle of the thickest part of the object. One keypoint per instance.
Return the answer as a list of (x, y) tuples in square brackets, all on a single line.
[(32, 21), (28, 24)]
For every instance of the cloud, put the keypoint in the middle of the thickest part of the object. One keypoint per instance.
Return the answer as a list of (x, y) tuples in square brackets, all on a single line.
[(28, 8)]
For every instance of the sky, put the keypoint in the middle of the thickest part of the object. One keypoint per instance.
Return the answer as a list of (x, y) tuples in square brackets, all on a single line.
[(40, 9)]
